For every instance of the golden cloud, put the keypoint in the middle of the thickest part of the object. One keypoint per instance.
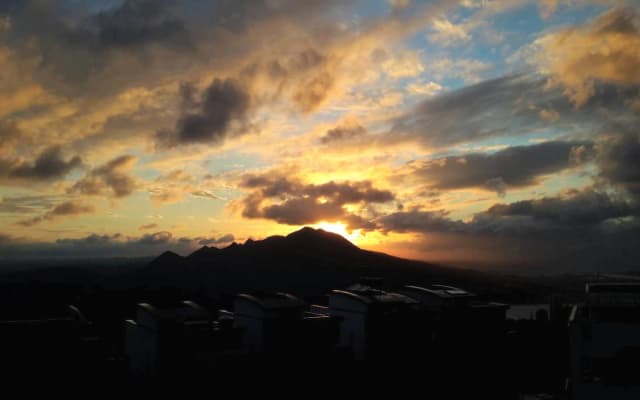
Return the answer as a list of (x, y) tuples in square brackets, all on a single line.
[(606, 50)]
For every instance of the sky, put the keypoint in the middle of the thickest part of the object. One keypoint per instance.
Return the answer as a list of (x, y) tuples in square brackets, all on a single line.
[(476, 132)]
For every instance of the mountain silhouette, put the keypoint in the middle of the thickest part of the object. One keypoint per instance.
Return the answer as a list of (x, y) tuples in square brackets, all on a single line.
[(307, 262)]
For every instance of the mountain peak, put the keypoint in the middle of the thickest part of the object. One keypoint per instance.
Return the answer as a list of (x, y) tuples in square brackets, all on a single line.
[(203, 252), (168, 255), (166, 260), (319, 237)]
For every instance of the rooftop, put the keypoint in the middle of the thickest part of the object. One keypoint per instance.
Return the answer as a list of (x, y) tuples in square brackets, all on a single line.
[(369, 295), (272, 301), (442, 291)]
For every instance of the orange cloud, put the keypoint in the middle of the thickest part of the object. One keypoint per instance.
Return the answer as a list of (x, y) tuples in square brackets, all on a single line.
[(606, 50), (68, 208)]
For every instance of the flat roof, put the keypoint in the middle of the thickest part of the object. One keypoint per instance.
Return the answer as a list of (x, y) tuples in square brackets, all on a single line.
[(370, 295), (274, 300), (442, 291)]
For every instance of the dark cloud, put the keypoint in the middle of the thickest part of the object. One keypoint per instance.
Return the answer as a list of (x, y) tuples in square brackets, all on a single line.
[(228, 238), (208, 120), (152, 239), (99, 245), (306, 77), (103, 50), (302, 210), (110, 179), (49, 165), (507, 106), (10, 133), (342, 192), (106, 47), (134, 24), (574, 211), (67, 208), (619, 161), (580, 231), (313, 92), (419, 221), (26, 204), (582, 208), (285, 70), (516, 166), (205, 194), (299, 203), (343, 132)]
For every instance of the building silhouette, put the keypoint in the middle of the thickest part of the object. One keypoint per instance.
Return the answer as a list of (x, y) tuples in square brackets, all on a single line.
[(605, 342), (376, 323), (283, 325)]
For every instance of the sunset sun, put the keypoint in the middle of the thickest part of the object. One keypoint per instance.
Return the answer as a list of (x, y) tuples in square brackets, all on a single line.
[(340, 229)]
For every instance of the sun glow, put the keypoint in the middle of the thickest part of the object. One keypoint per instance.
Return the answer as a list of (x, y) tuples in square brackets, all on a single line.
[(341, 229)]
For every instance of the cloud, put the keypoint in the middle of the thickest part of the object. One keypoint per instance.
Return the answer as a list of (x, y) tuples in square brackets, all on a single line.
[(5, 23), (26, 204), (10, 133), (469, 70), (228, 238), (76, 45), (507, 106), (174, 185), (171, 187), (147, 227), (134, 24), (108, 47), (210, 119), (300, 211), (302, 203), (402, 65), (67, 208), (105, 245), (568, 213), (426, 89), (206, 194), (110, 179), (153, 239), (516, 166), (579, 208), (577, 231), (445, 33), (497, 185), (304, 76), (345, 131), (547, 8), (49, 165), (549, 115), (604, 50), (618, 160), (419, 221), (314, 92)]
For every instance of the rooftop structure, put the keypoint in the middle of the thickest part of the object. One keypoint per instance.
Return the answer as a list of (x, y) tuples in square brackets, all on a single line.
[(605, 342), (161, 335), (282, 323), (373, 320)]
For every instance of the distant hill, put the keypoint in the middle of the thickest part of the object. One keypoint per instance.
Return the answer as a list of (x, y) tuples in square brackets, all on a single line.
[(307, 262)]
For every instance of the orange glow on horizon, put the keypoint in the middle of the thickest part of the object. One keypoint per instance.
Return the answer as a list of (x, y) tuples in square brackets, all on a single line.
[(341, 229)]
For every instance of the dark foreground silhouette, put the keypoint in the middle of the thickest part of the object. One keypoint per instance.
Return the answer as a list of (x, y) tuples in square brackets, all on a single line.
[(312, 301)]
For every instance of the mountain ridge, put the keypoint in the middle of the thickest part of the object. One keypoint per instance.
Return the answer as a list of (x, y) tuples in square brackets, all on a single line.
[(307, 261)]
